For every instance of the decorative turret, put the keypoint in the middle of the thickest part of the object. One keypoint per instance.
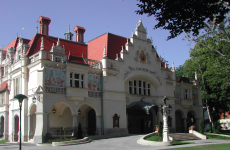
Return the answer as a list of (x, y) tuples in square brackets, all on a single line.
[(68, 35), (79, 34), (44, 25), (140, 31)]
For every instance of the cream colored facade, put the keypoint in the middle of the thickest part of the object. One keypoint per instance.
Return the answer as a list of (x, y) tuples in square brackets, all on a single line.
[(103, 90)]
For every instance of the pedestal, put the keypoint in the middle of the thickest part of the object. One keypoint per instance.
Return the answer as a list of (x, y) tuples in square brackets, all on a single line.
[(165, 127)]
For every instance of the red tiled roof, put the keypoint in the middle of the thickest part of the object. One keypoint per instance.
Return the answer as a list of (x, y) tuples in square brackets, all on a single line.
[(163, 65), (14, 43), (113, 45), (4, 86), (76, 59), (2, 65), (75, 49)]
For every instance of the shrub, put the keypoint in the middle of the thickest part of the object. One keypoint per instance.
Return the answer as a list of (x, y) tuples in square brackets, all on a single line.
[(202, 126), (160, 132)]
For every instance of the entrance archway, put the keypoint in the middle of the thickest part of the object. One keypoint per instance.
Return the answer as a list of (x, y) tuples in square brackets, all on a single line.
[(32, 121), (179, 121), (16, 127), (139, 121), (61, 116), (1, 126), (91, 122)]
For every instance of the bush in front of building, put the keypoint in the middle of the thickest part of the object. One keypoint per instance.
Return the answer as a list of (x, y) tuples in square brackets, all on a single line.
[(160, 132), (202, 126)]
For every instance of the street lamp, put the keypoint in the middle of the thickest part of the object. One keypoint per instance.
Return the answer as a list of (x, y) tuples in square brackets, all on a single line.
[(34, 99), (20, 98)]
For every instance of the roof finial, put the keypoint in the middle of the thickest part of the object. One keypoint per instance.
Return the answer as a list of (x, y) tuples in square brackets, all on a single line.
[(69, 28), (58, 42), (140, 20), (42, 45), (37, 29), (104, 53)]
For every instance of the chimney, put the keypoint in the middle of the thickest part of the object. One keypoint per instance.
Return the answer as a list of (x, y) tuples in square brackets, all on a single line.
[(44, 25), (79, 33)]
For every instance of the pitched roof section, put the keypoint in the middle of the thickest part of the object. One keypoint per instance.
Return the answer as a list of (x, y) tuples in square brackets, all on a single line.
[(75, 49), (113, 45), (14, 43), (76, 59)]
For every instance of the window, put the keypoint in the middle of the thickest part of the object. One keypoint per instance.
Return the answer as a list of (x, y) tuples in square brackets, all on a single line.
[(58, 58), (16, 86), (76, 80), (142, 87), (186, 93)]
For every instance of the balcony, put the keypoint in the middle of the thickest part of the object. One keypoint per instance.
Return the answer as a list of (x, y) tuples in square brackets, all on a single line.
[(55, 90)]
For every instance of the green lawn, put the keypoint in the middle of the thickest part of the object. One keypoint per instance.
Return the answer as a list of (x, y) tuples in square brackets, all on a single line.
[(3, 141), (205, 147), (216, 137)]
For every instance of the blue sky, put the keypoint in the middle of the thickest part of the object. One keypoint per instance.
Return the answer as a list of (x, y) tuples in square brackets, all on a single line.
[(93, 15)]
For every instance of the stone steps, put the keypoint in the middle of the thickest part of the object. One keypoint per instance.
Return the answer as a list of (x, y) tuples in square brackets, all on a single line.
[(184, 136)]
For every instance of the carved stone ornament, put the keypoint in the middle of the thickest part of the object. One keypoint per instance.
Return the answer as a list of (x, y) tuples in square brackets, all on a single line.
[(116, 121), (142, 57)]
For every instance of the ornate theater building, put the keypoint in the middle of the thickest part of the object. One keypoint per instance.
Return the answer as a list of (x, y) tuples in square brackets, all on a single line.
[(111, 85)]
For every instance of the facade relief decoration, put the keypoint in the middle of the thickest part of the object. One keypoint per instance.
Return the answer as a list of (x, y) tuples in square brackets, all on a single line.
[(55, 81), (94, 85), (177, 93), (131, 69), (55, 66), (111, 65), (195, 94), (142, 57), (168, 76)]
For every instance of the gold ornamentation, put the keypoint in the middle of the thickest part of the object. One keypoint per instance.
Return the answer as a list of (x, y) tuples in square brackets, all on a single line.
[(142, 57)]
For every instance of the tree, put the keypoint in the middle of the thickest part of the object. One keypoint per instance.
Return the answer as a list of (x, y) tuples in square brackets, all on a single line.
[(180, 71), (183, 15), (214, 76)]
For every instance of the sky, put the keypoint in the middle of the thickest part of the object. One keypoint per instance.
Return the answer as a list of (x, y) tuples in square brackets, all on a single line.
[(96, 16)]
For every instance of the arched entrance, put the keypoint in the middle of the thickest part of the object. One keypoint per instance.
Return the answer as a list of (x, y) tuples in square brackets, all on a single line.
[(1, 126), (32, 121), (16, 127), (91, 122), (61, 116), (191, 119), (179, 121)]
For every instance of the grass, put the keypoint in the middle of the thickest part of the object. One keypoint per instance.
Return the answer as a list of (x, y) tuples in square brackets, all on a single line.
[(160, 139), (205, 147), (3, 141)]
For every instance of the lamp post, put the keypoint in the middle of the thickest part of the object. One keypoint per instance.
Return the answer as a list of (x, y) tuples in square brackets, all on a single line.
[(166, 110), (20, 98)]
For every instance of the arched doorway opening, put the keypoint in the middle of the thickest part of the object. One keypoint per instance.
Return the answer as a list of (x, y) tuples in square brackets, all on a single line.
[(1, 126), (32, 121), (191, 119), (91, 122), (16, 127), (179, 122), (61, 116), (139, 121)]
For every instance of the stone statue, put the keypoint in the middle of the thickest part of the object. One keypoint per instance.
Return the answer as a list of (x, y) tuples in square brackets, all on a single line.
[(164, 100)]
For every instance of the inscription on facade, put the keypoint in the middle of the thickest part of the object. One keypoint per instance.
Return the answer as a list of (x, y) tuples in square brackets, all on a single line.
[(131, 69)]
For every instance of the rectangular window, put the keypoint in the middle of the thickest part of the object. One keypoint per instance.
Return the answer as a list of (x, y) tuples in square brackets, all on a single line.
[(135, 87), (130, 87), (185, 94), (148, 89), (16, 86), (76, 80), (3, 98), (140, 85), (144, 88)]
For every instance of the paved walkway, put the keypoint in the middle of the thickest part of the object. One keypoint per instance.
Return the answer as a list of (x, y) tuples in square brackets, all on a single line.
[(121, 143)]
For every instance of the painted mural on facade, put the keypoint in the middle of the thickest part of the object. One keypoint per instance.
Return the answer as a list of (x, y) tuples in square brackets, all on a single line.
[(177, 93), (54, 77), (195, 94), (94, 83)]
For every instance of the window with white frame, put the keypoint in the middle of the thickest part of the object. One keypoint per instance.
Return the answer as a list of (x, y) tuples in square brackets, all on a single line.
[(3, 98), (139, 87), (76, 80), (17, 86)]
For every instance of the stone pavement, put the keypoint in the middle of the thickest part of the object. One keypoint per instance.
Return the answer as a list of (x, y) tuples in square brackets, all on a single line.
[(120, 143)]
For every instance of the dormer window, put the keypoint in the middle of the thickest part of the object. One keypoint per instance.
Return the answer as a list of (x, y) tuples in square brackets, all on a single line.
[(58, 58)]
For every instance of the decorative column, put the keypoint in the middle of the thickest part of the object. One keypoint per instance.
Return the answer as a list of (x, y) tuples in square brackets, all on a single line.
[(165, 127), (75, 124), (98, 124)]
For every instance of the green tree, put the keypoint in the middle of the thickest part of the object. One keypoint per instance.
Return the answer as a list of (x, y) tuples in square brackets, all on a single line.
[(213, 74), (179, 71), (183, 15)]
